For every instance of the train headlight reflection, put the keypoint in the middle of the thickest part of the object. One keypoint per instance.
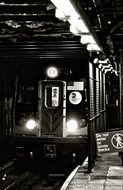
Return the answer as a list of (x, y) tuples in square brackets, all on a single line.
[(72, 125), (31, 124)]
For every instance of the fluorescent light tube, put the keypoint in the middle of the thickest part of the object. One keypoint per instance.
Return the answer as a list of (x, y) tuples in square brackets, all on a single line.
[(87, 39), (93, 47)]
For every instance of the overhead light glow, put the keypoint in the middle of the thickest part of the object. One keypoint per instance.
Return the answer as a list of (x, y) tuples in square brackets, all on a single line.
[(72, 125), (52, 72), (79, 24), (106, 61), (109, 22), (107, 70), (66, 7), (107, 66), (100, 66), (31, 124), (87, 39), (73, 29), (96, 60), (66, 10), (93, 47), (59, 14)]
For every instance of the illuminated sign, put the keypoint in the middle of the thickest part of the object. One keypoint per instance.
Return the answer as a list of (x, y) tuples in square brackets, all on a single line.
[(55, 96), (52, 72), (75, 97)]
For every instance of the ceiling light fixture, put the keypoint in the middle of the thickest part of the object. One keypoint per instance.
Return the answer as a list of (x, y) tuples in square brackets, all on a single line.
[(93, 47), (106, 61), (66, 10), (87, 39)]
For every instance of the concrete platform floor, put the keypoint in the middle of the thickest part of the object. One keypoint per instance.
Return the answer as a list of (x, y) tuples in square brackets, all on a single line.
[(106, 175)]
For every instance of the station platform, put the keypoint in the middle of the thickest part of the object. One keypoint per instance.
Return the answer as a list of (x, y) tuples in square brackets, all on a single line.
[(107, 174)]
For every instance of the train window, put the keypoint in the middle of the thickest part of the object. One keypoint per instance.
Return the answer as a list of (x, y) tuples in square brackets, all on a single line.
[(25, 103), (52, 96)]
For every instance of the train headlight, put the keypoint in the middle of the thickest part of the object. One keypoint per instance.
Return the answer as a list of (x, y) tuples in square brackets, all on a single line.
[(72, 125), (52, 72), (31, 124)]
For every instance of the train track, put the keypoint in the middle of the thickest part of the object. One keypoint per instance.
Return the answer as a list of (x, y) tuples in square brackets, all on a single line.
[(7, 168), (15, 176), (23, 182), (30, 181), (10, 180)]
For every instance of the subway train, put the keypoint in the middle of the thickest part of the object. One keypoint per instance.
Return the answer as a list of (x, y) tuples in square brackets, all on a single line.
[(53, 108), (58, 106), (52, 115)]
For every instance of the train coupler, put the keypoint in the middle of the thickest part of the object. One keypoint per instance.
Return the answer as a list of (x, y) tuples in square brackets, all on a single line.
[(49, 151)]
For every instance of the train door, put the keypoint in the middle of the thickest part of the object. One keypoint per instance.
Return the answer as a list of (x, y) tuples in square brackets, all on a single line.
[(52, 107)]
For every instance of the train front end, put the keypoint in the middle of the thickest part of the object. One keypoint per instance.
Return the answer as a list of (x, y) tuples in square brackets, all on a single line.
[(58, 124)]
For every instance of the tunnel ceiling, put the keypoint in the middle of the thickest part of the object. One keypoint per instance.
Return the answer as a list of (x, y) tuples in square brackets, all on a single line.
[(35, 20), (28, 19), (30, 28)]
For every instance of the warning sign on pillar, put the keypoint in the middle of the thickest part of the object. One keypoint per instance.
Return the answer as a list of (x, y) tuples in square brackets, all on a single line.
[(109, 141)]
